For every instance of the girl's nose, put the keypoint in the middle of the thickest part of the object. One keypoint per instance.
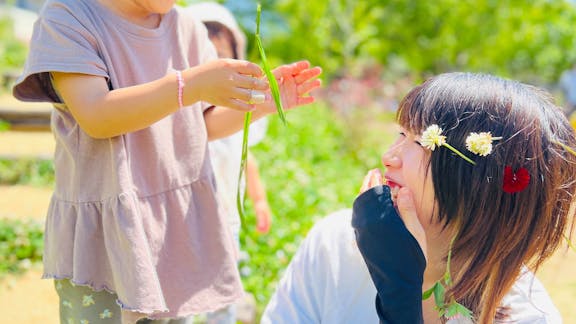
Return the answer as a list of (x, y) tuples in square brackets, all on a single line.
[(390, 159)]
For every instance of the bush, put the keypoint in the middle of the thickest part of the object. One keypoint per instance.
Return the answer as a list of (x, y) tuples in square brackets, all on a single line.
[(27, 171), (21, 245)]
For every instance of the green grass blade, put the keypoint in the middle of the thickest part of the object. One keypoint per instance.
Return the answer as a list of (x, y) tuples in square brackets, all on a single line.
[(239, 196), (276, 95), (266, 67)]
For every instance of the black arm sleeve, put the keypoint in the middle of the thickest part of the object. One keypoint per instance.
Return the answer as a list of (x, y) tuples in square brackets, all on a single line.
[(393, 256)]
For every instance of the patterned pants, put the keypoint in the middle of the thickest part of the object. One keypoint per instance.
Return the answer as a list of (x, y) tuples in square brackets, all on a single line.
[(82, 305)]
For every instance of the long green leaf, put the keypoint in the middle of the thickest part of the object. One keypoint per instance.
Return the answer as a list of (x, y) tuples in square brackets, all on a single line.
[(239, 196), (276, 95), (266, 67)]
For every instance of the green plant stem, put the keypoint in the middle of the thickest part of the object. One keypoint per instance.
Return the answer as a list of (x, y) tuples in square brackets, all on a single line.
[(439, 288), (274, 89), (459, 154), (239, 196)]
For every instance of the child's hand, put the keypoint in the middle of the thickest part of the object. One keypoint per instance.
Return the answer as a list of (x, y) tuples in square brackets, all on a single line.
[(224, 82), (263, 216), (295, 81)]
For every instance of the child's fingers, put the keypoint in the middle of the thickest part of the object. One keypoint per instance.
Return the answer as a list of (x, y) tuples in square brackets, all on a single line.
[(365, 183), (249, 82), (249, 96), (238, 104), (290, 69), (306, 87), (245, 67), (376, 178), (305, 101), (373, 178), (281, 71), (307, 74), (263, 225)]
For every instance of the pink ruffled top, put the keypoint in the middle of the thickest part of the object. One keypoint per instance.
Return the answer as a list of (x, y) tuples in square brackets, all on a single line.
[(135, 214)]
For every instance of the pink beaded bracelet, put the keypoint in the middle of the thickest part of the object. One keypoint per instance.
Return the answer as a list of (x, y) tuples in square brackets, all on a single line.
[(180, 88)]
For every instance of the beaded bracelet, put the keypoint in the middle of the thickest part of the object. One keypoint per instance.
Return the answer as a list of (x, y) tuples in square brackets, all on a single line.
[(180, 88)]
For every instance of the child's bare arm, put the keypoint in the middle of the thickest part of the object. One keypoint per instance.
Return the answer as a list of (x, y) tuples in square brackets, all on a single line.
[(103, 113)]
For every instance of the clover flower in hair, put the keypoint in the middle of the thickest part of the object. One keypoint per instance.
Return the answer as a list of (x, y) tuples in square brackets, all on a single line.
[(480, 143), (432, 137)]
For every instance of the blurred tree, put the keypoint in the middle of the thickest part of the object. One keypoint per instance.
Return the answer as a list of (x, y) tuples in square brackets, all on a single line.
[(530, 40)]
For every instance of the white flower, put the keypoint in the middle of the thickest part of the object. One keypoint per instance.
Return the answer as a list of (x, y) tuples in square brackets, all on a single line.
[(432, 137), (480, 143)]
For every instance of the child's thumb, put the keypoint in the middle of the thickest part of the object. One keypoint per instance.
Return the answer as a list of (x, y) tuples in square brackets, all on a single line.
[(406, 205), (407, 211)]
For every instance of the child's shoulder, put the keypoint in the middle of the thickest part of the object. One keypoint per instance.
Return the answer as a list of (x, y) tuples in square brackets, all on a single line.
[(64, 11)]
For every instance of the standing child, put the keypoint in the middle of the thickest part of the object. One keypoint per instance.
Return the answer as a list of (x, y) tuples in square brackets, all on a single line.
[(226, 153), (134, 229)]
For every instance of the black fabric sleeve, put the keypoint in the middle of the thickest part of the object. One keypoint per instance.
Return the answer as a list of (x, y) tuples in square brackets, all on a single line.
[(393, 256)]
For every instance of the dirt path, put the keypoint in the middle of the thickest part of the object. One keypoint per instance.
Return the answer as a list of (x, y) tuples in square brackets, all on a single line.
[(15, 144), (27, 299), (24, 202)]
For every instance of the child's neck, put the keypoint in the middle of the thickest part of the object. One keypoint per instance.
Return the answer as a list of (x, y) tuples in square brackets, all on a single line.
[(133, 13)]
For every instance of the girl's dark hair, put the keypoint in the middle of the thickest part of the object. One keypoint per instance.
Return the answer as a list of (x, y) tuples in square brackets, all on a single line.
[(216, 29), (497, 233)]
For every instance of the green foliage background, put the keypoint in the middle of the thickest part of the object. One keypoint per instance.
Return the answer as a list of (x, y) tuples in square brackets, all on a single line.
[(528, 40), (12, 51)]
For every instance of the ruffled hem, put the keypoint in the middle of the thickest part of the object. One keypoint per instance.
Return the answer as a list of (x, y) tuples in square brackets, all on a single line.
[(169, 255), (101, 288)]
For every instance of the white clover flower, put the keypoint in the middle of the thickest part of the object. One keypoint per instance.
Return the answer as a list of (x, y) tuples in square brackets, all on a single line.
[(432, 137), (480, 143)]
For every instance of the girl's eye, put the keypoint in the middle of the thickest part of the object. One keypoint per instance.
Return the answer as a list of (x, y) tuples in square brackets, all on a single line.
[(402, 134)]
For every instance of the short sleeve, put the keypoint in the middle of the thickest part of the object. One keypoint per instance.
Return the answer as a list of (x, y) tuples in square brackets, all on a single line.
[(61, 42)]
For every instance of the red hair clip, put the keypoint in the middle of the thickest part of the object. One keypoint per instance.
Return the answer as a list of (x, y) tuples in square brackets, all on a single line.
[(515, 181)]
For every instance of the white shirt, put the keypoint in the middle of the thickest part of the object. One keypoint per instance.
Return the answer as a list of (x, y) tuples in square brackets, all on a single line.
[(327, 282), (226, 155)]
